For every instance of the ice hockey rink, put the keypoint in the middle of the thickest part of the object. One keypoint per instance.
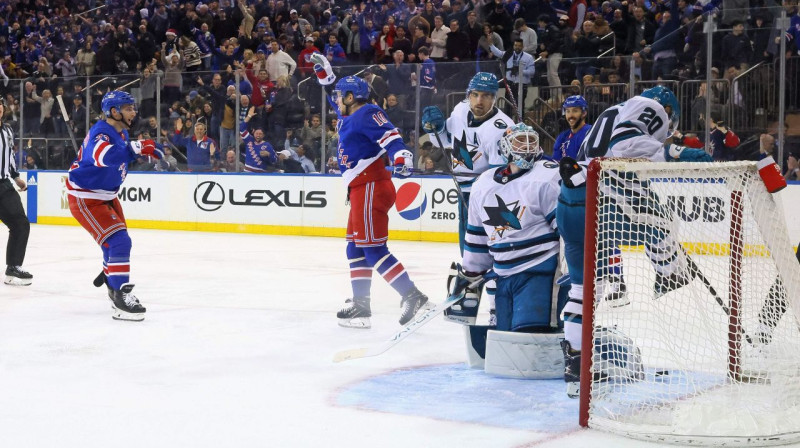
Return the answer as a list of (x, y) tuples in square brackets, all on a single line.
[(236, 351)]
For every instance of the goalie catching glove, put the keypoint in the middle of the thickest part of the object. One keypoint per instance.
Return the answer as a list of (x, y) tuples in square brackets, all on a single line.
[(323, 69), (148, 148), (468, 286), (403, 163)]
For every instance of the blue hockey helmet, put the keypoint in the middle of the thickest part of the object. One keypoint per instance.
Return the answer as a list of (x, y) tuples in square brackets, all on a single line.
[(355, 85), (664, 96), (574, 101), (115, 99), (483, 82)]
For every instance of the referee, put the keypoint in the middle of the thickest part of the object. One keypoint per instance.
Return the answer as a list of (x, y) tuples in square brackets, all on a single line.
[(11, 212)]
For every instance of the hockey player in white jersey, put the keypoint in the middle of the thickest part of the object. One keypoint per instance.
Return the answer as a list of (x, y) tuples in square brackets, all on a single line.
[(512, 229), (636, 128), (473, 133)]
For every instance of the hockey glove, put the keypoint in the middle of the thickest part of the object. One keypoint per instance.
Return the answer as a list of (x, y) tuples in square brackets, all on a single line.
[(323, 69), (675, 153), (148, 148), (571, 172), (467, 287), (432, 120), (403, 163)]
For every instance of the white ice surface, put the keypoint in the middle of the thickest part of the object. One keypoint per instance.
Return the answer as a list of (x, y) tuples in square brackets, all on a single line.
[(236, 351)]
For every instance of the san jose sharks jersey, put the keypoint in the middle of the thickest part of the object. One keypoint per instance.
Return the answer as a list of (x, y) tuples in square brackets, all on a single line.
[(642, 128), (475, 144), (364, 137), (512, 220), (102, 163)]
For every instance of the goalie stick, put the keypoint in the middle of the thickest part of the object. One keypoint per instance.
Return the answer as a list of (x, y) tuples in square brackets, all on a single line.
[(413, 326)]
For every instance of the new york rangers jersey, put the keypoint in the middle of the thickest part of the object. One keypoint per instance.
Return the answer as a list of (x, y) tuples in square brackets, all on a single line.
[(102, 163), (364, 137), (253, 160), (568, 143), (475, 143), (512, 220)]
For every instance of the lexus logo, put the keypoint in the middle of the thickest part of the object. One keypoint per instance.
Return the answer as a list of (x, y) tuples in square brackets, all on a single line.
[(209, 196)]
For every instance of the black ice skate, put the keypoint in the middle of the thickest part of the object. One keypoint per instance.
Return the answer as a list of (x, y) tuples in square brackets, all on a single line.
[(357, 314), (17, 277), (668, 283), (411, 303), (125, 305), (572, 369)]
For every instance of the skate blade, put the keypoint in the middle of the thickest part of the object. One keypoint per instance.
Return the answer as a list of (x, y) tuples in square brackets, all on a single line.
[(358, 322), (16, 281), (122, 315)]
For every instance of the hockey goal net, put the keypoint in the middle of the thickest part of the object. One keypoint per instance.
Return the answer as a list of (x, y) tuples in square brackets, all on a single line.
[(707, 351)]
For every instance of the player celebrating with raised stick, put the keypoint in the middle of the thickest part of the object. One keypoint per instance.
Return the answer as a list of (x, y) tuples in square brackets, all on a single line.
[(366, 138), (93, 183), (473, 131)]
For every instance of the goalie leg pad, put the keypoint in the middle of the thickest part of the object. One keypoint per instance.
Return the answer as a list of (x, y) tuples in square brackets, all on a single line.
[(524, 355), (475, 338), (615, 355), (524, 300)]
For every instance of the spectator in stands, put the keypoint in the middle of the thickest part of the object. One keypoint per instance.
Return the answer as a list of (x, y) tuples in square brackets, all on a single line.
[(737, 50), (168, 162), (85, 60), (640, 30), (577, 15), (401, 42), (378, 88), (665, 42), (279, 63), (78, 116), (501, 22), (489, 39), (173, 79), (32, 109), (304, 64), (438, 39), (305, 162), (792, 171), (530, 40), (458, 44), (229, 165), (334, 52), (520, 69), (201, 150), (147, 90), (420, 40), (398, 77), (311, 135), (587, 45), (474, 30)]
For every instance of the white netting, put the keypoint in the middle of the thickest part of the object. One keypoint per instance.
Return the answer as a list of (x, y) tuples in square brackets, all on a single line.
[(719, 368)]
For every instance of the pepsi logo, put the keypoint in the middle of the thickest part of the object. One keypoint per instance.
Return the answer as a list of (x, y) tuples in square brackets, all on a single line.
[(411, 201)]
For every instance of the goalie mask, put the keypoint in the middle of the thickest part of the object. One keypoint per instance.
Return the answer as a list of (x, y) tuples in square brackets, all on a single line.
[(520, 146)]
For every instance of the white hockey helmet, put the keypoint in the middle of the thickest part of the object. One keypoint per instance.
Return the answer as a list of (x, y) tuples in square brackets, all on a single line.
[(520, 146)]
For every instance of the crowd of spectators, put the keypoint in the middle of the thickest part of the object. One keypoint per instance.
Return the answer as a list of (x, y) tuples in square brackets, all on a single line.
[(197, 50)]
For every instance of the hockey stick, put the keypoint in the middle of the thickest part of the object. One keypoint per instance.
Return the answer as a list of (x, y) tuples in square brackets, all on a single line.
[(418, 172), (67, 121), (126, 85), (695, 270), (413, 326)]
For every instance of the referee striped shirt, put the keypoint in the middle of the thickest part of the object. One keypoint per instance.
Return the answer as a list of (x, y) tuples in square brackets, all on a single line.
[(8, 167)]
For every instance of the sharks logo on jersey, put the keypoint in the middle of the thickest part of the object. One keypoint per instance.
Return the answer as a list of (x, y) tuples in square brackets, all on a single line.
[(465, 154), (503, 217)]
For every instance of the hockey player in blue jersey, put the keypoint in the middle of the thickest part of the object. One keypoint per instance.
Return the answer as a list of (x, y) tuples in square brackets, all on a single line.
[(92, 185), (512, 230), (638, 127), (473, 131), (367, 144), (569, 142)]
